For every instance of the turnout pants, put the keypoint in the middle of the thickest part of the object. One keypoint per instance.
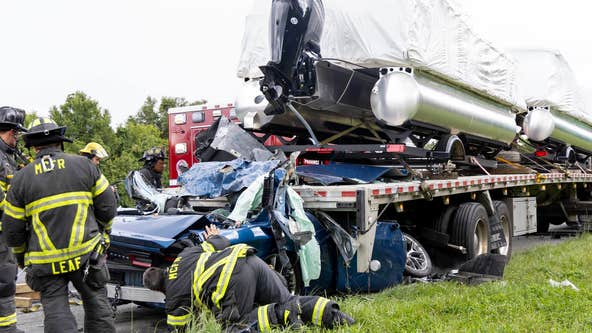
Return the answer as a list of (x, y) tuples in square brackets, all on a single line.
[(98, 316), (253, 283), (8, 271), (257, 300), (315, 310)]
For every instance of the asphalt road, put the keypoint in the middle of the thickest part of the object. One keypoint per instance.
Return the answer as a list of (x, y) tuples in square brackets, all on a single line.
[(131, 318)]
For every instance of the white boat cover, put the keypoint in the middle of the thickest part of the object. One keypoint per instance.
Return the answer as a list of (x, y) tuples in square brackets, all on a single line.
[(545, 79), (427, 34)]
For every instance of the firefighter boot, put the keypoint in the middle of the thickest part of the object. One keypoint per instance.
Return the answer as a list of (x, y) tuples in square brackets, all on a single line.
[(323, 312), (267, 317), (341, 318), (8, 271), (8, 316), (289, 313)]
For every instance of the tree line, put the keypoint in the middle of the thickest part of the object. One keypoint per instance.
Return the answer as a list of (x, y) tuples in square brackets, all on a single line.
[(87, 121)]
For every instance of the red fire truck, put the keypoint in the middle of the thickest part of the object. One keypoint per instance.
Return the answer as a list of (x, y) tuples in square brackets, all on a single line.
[(185, 123)]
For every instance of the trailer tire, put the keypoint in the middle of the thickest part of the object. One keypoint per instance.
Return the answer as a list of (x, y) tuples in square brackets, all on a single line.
[(443, 222), (453, 145), (542, 225), (471, 229), (503, 214), (547, 215), (418, 262)]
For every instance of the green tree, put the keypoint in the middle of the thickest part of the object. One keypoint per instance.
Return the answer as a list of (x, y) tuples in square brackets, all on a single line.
[(147, 113), (29, 117), (86, 121)]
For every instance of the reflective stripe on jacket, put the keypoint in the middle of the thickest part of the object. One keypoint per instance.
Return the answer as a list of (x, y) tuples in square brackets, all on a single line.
[(65, 202), (200, 276), (8, 167)]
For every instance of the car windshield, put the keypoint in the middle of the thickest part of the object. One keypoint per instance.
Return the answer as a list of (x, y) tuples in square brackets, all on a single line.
[(138, 189)]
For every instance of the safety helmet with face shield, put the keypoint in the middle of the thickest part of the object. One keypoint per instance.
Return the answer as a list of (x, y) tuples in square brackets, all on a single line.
[(94, 149)]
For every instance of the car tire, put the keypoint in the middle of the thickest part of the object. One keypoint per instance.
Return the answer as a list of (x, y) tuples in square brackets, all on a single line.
[(418, 262)]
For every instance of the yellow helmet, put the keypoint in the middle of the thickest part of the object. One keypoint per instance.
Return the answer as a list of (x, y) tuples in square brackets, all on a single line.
[(93, 148)]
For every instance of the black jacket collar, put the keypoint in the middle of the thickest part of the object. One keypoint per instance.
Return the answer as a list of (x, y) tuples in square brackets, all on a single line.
[(48, 151)]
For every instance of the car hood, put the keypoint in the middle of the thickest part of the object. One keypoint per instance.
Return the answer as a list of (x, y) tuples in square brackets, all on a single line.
[(158, 231)]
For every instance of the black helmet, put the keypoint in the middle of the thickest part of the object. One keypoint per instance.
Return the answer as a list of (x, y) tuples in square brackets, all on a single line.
[(12, 118), (153, 154), (44, 131)]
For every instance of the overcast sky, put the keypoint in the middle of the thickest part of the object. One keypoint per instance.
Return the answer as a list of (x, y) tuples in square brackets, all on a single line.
[(120, 52)]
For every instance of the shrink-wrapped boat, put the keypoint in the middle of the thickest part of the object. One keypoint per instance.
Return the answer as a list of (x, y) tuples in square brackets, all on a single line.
[(557, 113), (382, 71)]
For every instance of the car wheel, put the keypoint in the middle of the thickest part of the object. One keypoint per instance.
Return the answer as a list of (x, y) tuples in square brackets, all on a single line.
[(470, 229), (418, 261)]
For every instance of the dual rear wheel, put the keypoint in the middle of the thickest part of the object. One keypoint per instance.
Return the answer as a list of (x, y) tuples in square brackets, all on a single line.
[(470, 229)]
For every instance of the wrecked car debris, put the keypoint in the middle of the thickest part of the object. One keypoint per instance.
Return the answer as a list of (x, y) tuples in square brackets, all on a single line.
[(226, 141), (216, 179)]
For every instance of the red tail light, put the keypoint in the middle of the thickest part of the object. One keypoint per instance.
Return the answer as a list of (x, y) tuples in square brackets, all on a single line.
[(140, 262), (395, 148), (540, 153)]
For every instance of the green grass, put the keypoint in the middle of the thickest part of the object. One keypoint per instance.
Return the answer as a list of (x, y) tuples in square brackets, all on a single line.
[(523, 302)]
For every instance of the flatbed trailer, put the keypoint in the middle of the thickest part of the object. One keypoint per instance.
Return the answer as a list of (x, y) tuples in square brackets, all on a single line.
[(420, 208), (368, 202), (526, 196)]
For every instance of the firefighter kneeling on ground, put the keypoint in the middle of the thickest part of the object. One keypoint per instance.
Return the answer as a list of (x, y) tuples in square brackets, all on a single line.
[(57, 217), (242, 291)]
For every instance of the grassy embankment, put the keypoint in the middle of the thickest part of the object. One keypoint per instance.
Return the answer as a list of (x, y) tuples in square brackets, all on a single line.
[(523, 302)]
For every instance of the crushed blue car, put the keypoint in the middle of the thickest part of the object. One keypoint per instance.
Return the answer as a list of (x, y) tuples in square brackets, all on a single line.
[(139, 242), (143, 239)]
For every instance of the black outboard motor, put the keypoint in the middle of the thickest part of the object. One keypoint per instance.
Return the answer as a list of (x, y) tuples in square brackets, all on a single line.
[(295, 32)]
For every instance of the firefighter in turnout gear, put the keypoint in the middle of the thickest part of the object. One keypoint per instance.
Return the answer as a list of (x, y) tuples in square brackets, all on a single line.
[(57, 217), (153, 159), (151, 175), (11, 123), (241, 290), (94, 152)]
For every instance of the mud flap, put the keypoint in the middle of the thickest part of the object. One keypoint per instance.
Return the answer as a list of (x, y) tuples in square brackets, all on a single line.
[(497, 237)]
